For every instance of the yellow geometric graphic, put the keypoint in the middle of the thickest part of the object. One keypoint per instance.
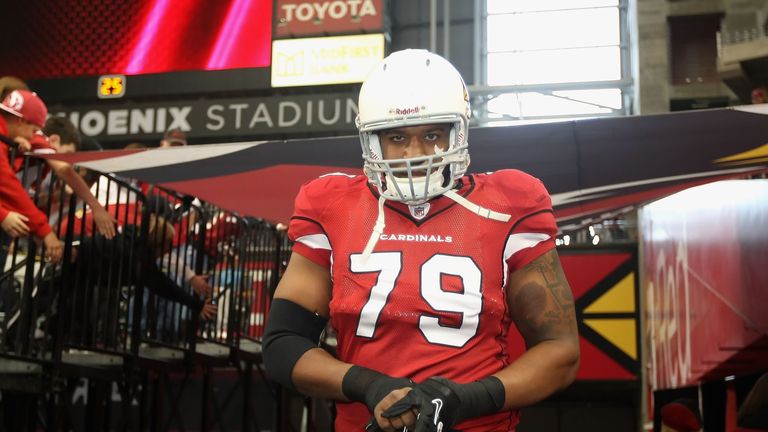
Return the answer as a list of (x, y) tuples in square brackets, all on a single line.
[(618, 331), (755, 155), (620, 298)]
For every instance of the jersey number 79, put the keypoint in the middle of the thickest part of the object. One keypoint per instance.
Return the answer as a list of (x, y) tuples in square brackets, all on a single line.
[(468, 303)]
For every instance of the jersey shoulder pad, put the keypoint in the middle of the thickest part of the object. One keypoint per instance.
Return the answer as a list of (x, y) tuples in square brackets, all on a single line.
[(518, 190), (317, 194)]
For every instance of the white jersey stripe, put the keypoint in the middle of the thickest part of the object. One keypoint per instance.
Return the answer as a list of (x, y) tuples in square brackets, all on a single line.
[(518, 242), (315, 241)]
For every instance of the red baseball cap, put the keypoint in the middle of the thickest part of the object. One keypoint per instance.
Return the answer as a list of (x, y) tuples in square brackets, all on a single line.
[(27, 105)]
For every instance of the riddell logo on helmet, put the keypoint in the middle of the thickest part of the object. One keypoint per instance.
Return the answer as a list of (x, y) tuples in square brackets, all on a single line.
[(406, 111)]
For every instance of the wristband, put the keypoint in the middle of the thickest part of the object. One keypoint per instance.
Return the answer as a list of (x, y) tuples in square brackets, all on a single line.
[(480, 398)]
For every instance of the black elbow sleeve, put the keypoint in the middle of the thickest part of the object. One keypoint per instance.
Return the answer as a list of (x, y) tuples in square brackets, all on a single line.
[(291, 331)]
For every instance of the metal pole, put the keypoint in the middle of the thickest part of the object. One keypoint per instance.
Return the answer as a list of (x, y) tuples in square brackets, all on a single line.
[(433, 25), (447, 29), (476, 54)]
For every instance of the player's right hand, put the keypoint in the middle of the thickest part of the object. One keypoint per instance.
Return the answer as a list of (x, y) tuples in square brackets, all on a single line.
[(381, 394), (377, 391), (405, 418)]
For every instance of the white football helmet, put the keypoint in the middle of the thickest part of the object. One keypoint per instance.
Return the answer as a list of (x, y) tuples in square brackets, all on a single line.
[(410, 88)]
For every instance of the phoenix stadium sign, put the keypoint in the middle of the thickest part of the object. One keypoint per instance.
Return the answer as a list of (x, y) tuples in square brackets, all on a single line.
[(262, 116)]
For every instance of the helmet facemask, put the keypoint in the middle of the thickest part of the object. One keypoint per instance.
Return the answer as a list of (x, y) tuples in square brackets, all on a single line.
[(418, 179)]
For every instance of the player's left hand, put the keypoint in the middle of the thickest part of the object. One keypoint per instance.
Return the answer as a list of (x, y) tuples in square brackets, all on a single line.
[(437, 401)]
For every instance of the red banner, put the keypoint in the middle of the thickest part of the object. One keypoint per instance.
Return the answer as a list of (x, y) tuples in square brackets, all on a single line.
[(703, 263), (304, 18), (604, 289)]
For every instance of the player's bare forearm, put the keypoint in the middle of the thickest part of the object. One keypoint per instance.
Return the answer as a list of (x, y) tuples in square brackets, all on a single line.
[(318, 374), (542, 307)]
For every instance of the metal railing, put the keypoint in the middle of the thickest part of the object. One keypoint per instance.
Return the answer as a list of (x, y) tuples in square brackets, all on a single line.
[(121, 308)]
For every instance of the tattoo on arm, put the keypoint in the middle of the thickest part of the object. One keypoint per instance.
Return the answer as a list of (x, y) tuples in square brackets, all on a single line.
[(541, 302), (552, 273)]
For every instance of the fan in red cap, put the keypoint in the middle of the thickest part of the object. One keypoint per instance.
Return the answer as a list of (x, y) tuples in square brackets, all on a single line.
[(26, 105), (23, 113)]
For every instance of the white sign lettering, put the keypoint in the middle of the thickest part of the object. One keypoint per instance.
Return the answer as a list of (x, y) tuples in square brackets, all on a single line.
[(219, 118), (312, 11)]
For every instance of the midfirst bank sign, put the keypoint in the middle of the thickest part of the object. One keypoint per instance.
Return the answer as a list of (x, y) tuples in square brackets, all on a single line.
[(217, 117)]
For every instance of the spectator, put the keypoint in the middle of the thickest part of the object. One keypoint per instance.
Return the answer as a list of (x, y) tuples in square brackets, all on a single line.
[(65, 138), (125, 248), (7, 85), (23, 114), (174, 138), (62, 135)]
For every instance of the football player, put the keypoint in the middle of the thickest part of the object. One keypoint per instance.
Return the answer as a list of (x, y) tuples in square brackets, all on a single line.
[(421, 268)]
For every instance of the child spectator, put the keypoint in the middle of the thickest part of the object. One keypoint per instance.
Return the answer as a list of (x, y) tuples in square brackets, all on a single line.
[(23, 114)]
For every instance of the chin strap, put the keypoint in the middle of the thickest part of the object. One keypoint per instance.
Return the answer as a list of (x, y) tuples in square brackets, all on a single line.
[(378, 229), (476, 209)]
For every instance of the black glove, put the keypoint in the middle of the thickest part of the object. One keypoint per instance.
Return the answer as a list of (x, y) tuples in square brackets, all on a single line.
[(370, 387), (442, 403)]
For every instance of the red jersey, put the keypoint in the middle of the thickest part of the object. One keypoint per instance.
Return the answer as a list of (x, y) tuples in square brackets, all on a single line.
[(430, 300)]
